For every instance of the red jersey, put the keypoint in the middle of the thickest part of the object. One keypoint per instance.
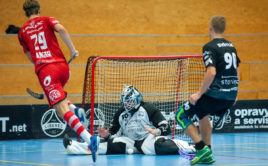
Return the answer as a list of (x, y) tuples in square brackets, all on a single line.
[(37, 36)]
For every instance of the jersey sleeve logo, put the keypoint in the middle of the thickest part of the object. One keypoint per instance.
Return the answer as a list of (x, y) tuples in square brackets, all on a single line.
[(207, 57), (54, 95), (208, 61)]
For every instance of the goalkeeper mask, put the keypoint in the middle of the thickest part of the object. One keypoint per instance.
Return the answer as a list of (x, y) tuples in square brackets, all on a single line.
[(130, 98)]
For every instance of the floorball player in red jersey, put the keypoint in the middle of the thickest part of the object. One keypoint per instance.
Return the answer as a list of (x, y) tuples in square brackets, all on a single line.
[(40, 45)]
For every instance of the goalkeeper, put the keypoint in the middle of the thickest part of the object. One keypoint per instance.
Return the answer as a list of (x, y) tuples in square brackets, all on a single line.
[(137, 127)]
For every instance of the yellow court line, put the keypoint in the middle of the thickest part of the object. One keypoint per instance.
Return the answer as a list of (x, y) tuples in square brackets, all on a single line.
[(16, 162)]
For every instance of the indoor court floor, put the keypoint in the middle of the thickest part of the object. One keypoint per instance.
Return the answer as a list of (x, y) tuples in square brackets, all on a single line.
[(232, 149)]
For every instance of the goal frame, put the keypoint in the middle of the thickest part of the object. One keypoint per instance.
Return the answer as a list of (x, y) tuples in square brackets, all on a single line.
[(94, 60)]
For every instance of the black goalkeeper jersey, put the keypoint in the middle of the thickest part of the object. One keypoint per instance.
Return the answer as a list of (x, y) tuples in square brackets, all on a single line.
[(221, 54)]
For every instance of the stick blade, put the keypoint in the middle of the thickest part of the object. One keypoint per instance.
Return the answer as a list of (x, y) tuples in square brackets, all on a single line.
[(188, 156), (35, 95)]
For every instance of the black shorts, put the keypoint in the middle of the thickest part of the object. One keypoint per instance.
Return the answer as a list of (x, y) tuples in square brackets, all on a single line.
[(207, 105)]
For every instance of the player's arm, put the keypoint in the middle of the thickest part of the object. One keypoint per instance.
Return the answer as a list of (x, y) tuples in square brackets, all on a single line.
[(208, 79), (209, 57), (158, 120), (238, 73), (115, 125), (67, 39), (238, 77), (25, 47), (114, 128)]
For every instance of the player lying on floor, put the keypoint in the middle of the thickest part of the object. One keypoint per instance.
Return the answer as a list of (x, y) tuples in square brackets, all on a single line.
[(137, 127)]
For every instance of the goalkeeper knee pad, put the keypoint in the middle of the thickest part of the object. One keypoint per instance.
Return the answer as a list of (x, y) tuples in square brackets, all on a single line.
[(183, 119), (115, 147), (165, 146)]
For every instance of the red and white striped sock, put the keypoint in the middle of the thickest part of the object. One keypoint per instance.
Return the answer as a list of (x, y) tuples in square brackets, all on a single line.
[(71, 106), (76, 125)]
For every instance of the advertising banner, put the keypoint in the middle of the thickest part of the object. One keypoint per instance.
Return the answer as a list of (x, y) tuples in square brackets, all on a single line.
[(38, 121), (31, 121), (15, 122), (46, 122), (245, 116)]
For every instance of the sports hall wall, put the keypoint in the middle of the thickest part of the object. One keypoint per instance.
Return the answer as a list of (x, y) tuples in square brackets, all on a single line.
[(137, 28)]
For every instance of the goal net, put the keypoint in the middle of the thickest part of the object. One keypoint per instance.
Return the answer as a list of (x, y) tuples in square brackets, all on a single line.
[(165, 82)]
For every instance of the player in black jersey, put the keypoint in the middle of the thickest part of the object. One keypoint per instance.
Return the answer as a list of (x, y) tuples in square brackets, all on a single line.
[(217, 93), (137, 127)]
